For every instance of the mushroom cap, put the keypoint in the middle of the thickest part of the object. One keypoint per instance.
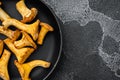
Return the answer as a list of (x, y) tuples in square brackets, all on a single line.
[(10, 33), (31, 29), (21, 54), (29, 18), (27, 14), (47, 26), (25, 41), (25, 68), (3, 65)]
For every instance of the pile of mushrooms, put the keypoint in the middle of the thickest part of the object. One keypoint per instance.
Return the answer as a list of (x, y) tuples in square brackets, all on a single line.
[(22, 48)]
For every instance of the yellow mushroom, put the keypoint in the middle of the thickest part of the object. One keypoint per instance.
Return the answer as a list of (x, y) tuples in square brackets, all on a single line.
[(9, 33), (3, 14), (27, 14), (31, 29), (45, 28), (21, 54), (25, 69), (1, 46), (25, 41), (4, 65)]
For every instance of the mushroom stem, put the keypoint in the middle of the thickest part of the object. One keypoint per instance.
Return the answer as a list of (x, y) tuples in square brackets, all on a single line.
[(36, 63), (26, 68), (45, 28), (9, 33), (31, 29), (5, 57), (21, 54), (1, 46), (3, 65), (3, 15), (27, 14), (25, 41)]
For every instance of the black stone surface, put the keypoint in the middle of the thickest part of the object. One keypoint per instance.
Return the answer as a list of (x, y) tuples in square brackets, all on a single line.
[(80, 59)]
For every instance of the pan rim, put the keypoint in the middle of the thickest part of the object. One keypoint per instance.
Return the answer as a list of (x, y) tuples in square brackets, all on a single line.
[(61, 39)]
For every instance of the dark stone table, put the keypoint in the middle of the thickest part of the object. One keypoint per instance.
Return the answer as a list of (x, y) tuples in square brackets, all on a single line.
[(91, 35)]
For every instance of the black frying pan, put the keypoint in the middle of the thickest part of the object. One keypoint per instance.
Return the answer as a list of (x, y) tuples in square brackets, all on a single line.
[(49, 51)]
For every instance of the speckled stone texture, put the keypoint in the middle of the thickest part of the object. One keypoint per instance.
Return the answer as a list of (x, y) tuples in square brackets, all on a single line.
[(91, 39)]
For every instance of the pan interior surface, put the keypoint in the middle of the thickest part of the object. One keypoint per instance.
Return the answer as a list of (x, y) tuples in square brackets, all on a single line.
[(49, 51)]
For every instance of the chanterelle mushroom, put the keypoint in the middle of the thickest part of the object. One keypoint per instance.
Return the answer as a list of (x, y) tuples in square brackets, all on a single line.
[(31, 29), (21, 54), (25, 69), (25, 41), (1, 46), (27, 14), (45, 28), (3, 14), (4, 64), (9, 33)]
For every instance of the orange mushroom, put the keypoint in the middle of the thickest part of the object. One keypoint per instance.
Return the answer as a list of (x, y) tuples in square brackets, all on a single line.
[(25, 68), (31, 29), (3, 15), (9, 33), (21, 54), (4, 65), (45, 28), (25, 41), (27, 14)]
